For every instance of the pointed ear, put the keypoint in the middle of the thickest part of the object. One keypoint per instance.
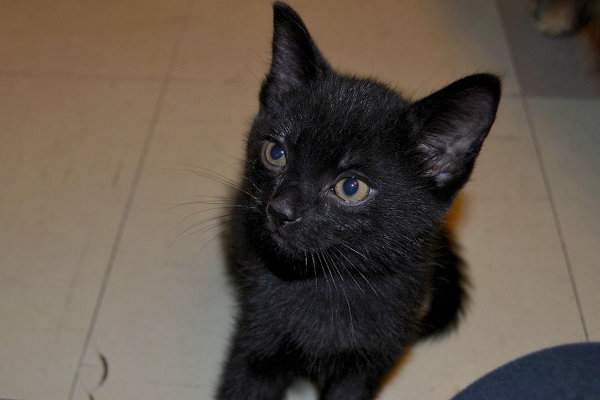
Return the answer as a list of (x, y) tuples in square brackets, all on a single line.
[(451, 126), (296, 60)]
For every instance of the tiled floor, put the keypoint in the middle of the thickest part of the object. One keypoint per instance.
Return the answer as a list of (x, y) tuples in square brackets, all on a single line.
[(107, 290)]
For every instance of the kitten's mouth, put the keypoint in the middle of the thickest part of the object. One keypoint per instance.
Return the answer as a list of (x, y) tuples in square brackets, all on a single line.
[(293, 245), (292, 238), (282, 240)]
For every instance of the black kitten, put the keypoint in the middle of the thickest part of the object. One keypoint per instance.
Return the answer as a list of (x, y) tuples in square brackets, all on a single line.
[(340, 253)]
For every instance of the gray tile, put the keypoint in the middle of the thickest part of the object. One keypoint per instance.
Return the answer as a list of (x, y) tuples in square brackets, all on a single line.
[(568, 133), (549, 66)]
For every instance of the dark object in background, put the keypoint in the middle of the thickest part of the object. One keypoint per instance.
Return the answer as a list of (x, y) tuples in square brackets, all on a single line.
[(567, 372), (338, 245)]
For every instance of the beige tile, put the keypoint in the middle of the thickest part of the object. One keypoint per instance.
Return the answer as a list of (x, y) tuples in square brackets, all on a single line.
[(164, 322), (227, 43), (416, 46), (88, 37), (568, 134), (68, 151)]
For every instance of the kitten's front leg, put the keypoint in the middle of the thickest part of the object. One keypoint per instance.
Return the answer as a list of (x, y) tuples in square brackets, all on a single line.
[(246, 377), (357, 386)]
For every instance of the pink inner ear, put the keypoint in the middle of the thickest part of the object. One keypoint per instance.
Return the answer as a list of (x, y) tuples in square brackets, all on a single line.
[(446, 155), (453, 123)]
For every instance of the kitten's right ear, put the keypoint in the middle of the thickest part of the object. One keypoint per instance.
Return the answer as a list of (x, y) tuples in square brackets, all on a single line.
[(296, 60)]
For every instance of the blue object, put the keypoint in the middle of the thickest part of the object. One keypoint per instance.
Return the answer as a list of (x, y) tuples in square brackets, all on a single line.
[(568, 372), (276, 152), (350, 186)]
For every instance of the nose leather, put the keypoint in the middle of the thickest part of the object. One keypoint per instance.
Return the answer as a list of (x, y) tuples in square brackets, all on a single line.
[(283, 208)]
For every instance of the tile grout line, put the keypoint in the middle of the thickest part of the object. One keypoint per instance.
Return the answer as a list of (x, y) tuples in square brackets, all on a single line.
[(563, 243), (130, 196), (542, 166)]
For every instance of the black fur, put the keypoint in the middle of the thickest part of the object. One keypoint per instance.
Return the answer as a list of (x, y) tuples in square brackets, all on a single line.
[(334, 291)]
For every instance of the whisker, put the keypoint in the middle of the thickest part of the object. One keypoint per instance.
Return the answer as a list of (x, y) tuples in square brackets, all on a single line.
[(360, 273), (312, 256), (345, 294), (330, 273), (203, 230), (220, 221), (213, 209), (196, 200), (204, 221), (336, 254), (214, 176), (335, 286), (198, 168), (259, 190), (226, 202), (355, 251), (201, 221), (325, 275), (205, 246)]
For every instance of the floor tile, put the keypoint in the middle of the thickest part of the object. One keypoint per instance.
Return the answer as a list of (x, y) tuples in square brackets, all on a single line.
[(228, 43), (167, 312), (70, 143), (68, 151), (567, 130), (416, 46), (88, 37), (563, 66)]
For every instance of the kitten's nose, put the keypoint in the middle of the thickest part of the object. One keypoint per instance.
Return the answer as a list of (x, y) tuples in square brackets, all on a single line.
[(283, 209)]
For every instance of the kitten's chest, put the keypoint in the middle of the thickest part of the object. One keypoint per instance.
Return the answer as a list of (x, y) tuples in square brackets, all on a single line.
[(323, 315)]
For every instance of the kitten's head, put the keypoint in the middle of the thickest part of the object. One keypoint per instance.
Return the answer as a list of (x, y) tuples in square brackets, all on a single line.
[(346, 164)]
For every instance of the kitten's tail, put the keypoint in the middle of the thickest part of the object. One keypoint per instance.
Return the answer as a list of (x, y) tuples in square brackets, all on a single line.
[(446, 297)]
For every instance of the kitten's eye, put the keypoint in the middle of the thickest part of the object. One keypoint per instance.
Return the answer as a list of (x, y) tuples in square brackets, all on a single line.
[(352, 190), (274, 154)]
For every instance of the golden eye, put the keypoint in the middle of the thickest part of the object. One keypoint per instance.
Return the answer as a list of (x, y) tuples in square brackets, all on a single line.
[(274, 154), (352, 190)]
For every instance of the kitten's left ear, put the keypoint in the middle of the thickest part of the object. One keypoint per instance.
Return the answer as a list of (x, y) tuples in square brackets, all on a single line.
[(452, 124), (296, 60)]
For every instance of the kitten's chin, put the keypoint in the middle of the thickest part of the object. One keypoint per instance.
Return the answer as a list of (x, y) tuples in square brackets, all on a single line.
[(284, 244)]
